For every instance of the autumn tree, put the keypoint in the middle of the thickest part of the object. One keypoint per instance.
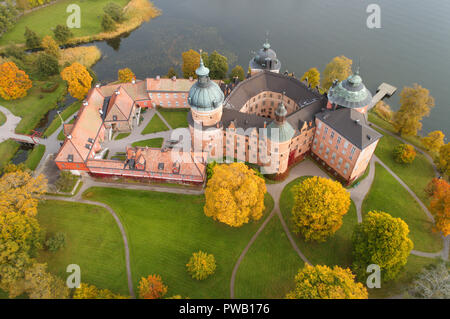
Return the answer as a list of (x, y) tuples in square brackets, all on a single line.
[(415, 103), (381, 240), (115, 11), (218, 65), (201, 265), (433, 141), (443, 160), (14, 83), (171, 73), (51, 47), (152, 287), (62, 33), (319, 206), (32, 40), (384, 111), (440, 205), (312, 77), (125, 75), (339, 69), (86, 291), (404, 153), (46, 64), (323, 282), (78, 79), (234, 195), (238, 72), (191, 61)]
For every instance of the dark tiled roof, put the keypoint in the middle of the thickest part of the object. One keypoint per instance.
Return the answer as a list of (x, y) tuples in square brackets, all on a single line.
[(306, 114), (351, 125)]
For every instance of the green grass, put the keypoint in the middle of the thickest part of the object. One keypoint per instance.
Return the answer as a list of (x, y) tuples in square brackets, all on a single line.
[(121, 136), (337, 250), (35, 157), (165, 229), (7, 150), (389, 196), (155, 125), (39, 22), (175, 117), (2, 118), (269, 267), (416, 175), (153, 142), (93, 241), (56, 123), (32, 108)]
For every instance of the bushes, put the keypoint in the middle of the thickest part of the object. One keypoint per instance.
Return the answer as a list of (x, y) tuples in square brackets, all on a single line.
[(49, 87), (56, 242), (114, 11), (47, 65), (201, 265), (31, 39), (404, 153), (108, 23), (62, 33)]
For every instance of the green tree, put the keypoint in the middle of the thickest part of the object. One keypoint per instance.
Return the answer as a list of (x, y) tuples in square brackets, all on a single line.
[(47, 64), (381, 240), (404, 153), (108, 23), (218, 66), (114, 11), (62, 33), (191, 61), (415, 103), (171, 73), (312, 76), (32, 40), (201, 265), (339, 69), (8, 16), (238, 72)]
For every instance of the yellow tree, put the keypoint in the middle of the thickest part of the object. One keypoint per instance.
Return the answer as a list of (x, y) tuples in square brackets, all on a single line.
[(78, 79), (50, 46), (434, 141), (415, 103), (191, 61), (323, 282), (443, 160), (319, 206), (234, 195), (339, 68), (14, 83), (86, 291), (404, 153), (313, 77), (440, 206), (201, 265), (152, 287), (383, 110), (125, 75)]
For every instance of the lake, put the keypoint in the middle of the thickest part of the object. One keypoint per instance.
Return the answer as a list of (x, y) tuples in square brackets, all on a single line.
[(413, 45)]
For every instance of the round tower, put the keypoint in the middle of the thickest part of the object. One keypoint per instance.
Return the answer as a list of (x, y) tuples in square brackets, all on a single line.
[(265, 59)]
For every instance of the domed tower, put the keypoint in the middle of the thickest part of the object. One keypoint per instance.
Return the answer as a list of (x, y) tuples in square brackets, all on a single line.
[(350, 93), (265, 59)]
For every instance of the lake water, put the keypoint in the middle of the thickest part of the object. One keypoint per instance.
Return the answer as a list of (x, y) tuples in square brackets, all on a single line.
[(412, 46)]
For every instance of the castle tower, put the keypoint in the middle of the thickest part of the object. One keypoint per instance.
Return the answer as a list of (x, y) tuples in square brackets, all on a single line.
[(265, 59)]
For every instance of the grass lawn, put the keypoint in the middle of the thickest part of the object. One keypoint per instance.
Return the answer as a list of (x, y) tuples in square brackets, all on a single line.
[(32, 108), (38, 20), (269, 268), (416, 175), (56, 123), (7, 150), (121, 136), (165, 229), (153, 142), (93, 241), (337, 250), (175, 117), (155, 125), (35, 157), (389, 196), (2, 118)]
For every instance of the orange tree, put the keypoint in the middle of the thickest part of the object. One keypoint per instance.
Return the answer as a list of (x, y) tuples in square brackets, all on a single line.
[(404, 153), (319, 206), (234, 195), (201, 265), (125, 75), (440, 205), (14, 83), (152, 287), (323, 282), (78, 79)]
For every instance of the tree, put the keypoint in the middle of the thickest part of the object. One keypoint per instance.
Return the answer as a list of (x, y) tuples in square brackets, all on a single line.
[(381, 240), (323, 282), (415, 103), (47, 64), (339, 69), (51, 47), (313, 77), (384, 111), (8, 16), (440, 205), (86, 291), (443, 160), (125, 75), (201, 265), (108, 23), (171, 73), (32, 40), (152, 287), (78, 79), (56, 242), (62, 33), (404, 153), (434, 141), (15, 51), (218, 66), (319, 205), (433, 282), (191, 61), (14, 83), (238, 72), (234, 195), (114, 11)]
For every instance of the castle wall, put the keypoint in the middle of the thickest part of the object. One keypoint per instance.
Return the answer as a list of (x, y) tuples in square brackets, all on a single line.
[(266, 102)]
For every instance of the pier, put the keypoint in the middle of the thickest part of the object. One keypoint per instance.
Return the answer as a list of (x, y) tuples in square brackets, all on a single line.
[(383, 90)]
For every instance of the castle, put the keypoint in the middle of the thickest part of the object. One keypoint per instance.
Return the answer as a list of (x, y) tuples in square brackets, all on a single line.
[(270, 119)]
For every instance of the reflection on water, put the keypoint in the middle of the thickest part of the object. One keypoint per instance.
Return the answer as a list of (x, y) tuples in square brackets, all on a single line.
[(53, 113)]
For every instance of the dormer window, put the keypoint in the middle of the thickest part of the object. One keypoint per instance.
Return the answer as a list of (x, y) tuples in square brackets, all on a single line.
[(90, 140), (114, 117), (88, 146), (70, 158)]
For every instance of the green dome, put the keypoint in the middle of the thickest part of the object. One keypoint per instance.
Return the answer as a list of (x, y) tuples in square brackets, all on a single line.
[(350, 93), (285, 132)]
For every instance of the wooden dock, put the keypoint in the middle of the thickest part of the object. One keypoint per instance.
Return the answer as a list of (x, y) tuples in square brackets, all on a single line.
[(383, 90)]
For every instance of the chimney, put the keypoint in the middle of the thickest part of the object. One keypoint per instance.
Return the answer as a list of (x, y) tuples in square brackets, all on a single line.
[(69, 136), (85, 103), (97, 85), (265, 124), (133, 81), (174, 78), (100, 111), (158, 78), (191, 78), (117, 92)]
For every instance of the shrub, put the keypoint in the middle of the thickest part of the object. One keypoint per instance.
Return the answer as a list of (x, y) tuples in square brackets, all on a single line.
[(108, 23), (47, 64), (31, 39), (62, 33), (56, 242), (404, 153), (49, 87), (114, 11), (201, 265), (383, 110)]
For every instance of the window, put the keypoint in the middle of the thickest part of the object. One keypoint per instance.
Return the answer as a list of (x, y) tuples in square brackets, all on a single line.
[(114, 117), (315, 141), (339, 162), (326, 131), (159, 94), (175, 95), (320, 125), (345, 144), (321, 146), (332, 134)]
